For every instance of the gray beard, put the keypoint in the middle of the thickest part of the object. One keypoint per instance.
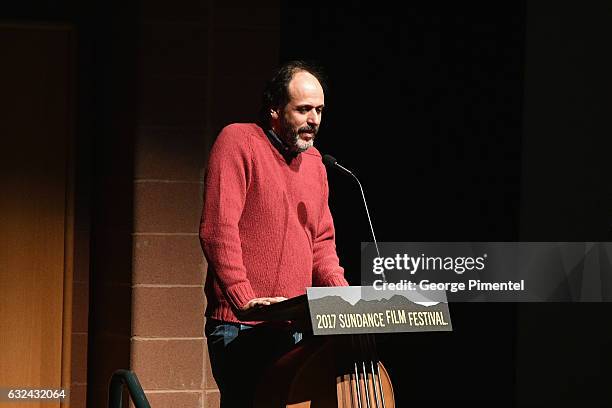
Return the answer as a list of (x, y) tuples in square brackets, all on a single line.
[(293, 141), (300, 145)]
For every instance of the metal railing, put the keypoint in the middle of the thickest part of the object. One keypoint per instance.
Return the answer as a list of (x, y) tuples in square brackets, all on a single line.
[(135, 391)]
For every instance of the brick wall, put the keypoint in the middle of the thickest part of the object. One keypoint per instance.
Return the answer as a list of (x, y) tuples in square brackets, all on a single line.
[(80, 302), (202, 64)]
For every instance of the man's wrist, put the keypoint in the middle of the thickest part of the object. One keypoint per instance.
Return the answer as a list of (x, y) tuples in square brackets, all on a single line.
[(240, 294)]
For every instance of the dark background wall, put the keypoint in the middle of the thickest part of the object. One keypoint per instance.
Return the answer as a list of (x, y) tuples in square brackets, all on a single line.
[(566, 193), (426, 106), (563, 350), (466, 123)]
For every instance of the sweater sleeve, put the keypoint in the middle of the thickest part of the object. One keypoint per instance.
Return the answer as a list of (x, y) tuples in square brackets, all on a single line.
[(326, 266), (225, 187)]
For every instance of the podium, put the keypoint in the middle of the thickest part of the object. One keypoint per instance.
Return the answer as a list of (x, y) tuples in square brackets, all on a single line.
[(337, 364)]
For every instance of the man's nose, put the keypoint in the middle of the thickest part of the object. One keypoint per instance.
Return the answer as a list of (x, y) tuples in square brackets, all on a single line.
[(314, 117)]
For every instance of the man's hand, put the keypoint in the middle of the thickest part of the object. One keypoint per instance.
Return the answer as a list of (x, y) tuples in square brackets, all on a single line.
[(263, 301)]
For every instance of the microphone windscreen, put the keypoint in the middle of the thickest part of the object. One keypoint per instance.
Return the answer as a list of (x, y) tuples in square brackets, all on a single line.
[(329, 161)]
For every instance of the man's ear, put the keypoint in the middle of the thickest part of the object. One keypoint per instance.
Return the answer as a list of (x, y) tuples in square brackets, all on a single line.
[(274, 114)]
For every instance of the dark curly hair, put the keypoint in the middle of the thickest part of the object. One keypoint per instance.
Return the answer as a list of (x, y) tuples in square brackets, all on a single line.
[(276, 92)]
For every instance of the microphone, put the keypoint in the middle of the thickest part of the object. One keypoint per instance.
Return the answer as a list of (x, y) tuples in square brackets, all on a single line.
[(331, 162)]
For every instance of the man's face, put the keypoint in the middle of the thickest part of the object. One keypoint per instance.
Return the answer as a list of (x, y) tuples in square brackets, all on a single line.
[(297, 123)]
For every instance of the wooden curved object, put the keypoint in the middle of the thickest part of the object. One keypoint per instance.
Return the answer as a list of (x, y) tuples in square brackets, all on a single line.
[(327, 372)]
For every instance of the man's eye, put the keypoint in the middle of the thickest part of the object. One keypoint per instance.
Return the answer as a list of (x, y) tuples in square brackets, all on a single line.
[(303, 110)]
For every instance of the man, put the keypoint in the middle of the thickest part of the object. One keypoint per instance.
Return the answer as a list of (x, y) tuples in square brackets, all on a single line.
[(266, 228)]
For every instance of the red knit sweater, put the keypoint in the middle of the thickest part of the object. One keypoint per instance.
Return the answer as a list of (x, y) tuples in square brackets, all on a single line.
[(266, 227)]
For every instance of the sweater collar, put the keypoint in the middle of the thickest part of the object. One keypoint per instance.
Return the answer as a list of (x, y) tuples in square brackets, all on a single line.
[(282, 148)]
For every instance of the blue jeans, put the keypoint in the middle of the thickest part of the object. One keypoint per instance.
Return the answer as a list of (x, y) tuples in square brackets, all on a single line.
[(240, 354)]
